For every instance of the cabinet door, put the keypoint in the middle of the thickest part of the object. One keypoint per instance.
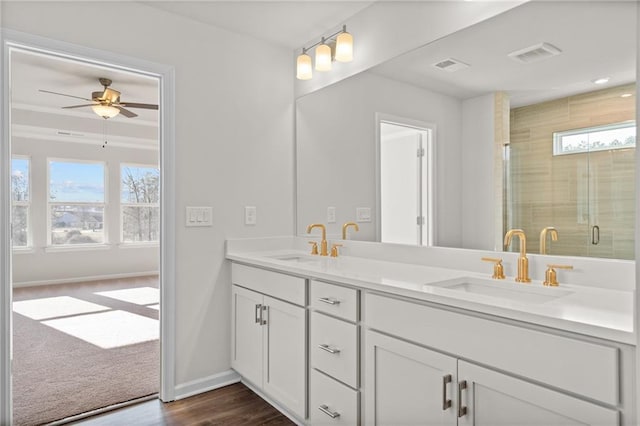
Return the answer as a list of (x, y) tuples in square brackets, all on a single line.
[(406, 384), (246, 335), (495, 399), (285, 355)]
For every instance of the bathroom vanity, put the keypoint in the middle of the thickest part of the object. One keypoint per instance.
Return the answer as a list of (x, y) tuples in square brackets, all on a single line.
[(363, 340)]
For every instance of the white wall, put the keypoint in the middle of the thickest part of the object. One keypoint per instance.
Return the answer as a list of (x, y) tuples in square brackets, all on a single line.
[(335, 134), (234, 97), (64, 265), (478, 200), (390, 28)]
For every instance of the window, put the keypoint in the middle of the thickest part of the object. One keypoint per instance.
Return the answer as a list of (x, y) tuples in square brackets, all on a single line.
[(140, 194), (600, 138), (76, 202), (20, 201)]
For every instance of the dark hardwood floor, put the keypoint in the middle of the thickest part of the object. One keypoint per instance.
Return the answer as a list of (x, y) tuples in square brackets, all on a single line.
[(233, 405)]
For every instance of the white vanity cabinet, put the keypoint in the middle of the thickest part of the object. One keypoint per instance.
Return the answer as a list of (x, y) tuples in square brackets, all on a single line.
[(268, 339), (419, 357)]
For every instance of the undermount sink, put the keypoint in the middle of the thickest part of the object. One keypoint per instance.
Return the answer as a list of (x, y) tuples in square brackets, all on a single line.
[(296, 258), (500, 289)]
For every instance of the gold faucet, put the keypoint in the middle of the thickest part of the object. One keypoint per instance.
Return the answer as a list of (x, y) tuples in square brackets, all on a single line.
[(543, 238), (523, 262), (323, 243), (345, 226)]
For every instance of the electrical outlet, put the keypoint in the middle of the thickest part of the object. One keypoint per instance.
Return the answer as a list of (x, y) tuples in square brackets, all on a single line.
[(331, 215), (250, 215), (363, 214)]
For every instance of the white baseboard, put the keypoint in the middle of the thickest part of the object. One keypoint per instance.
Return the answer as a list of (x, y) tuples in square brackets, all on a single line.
[(273, 403), (206, 384), (83, 279)]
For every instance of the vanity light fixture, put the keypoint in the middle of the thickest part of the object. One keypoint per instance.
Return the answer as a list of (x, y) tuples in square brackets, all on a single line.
[(105, 111), (338, 46), (601, 80)]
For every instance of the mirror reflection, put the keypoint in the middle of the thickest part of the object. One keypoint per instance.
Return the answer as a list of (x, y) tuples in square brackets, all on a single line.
[(523, 121)]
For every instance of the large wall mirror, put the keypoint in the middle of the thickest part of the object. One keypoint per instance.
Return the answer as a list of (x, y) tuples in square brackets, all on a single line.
[(529, 121)]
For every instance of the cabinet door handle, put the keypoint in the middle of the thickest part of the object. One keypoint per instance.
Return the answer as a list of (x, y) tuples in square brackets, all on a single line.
[(595, 235), (325, 409), (329, 300), (329, 349), (446, 403), (258, 314), (462, 410), (263, 321)]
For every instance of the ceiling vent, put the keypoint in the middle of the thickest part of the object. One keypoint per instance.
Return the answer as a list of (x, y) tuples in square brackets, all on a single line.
[(451, 65), (535, 53)]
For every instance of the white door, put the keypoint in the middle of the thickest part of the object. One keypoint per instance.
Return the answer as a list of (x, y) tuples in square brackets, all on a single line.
[(406, 384), (285, 356), (495, 399), (404, 184), (246, 336)]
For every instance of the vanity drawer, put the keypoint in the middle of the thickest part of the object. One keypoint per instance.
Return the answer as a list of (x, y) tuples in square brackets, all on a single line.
[(578, 366), (281, 286), (331, 402), (335, 300), (334, 348)]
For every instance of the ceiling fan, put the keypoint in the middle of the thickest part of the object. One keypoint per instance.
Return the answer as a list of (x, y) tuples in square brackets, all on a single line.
[(106, 103)]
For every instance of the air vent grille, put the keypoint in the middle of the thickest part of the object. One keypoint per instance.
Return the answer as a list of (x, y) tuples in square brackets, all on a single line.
[(450, 65), (69, 133), (535, 53)]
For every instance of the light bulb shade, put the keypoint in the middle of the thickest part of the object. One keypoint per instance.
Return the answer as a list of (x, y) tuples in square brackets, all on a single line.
[(323, 58), (304, 69), (344, 47), (105, 111)]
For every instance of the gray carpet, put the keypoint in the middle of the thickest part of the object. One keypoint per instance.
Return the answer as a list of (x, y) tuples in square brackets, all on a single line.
[(56, 375)]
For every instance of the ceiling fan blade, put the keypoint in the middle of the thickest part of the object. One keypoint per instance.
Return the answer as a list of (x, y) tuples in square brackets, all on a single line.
[(136, 105), (63, 94), (78, 106), (126, 112)]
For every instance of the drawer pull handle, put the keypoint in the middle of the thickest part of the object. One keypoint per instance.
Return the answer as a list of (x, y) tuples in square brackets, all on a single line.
[(462, 410), (329, 300), (446, 403), (325, 409), (329, 349)]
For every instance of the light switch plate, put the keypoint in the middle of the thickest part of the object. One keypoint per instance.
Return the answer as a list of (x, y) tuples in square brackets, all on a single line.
[(250, 215), (199, 216), (363, 214), (331, 215)]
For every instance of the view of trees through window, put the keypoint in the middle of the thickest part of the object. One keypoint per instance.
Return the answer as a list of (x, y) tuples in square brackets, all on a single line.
[(20, 201), (76, 202), (140, 198)]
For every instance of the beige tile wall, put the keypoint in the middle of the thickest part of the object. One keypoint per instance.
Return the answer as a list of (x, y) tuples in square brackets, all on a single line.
[(576, 191)]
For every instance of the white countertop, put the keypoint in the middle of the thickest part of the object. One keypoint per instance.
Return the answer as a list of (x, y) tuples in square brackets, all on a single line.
[(591, 311)]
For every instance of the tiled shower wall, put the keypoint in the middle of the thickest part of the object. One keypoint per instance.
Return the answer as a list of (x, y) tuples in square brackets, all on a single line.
[(577, 191)]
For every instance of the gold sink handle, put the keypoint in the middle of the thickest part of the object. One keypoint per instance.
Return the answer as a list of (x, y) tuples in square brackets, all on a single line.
[(550, 276), (498, 269), (314, 247), (334, 250)]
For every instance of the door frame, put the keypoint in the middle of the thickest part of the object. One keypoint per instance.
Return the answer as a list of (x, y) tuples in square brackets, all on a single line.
[(430, 149), (12, 40)]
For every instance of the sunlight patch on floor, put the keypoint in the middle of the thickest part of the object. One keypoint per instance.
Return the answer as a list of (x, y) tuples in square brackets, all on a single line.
[(137, 295), (108, 329), (156, 306), (54, 307)]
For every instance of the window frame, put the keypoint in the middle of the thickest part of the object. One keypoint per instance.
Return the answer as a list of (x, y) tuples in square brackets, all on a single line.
[(123, 205), (557, 137), (104, 204), (27, 204)]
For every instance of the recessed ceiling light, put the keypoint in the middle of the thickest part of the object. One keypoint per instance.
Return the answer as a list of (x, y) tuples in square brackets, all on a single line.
[(601, 80), (626, 95)]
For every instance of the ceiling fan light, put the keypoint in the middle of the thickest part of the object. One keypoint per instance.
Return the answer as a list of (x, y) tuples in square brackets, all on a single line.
[(105, 111), (304, 70), (344, 47), (323, 57)]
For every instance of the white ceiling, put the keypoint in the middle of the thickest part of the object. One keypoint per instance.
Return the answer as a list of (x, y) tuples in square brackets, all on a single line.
[(596, 38), (289, 24)]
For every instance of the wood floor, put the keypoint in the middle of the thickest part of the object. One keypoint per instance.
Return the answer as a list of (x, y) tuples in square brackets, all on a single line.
[(233, 405)]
